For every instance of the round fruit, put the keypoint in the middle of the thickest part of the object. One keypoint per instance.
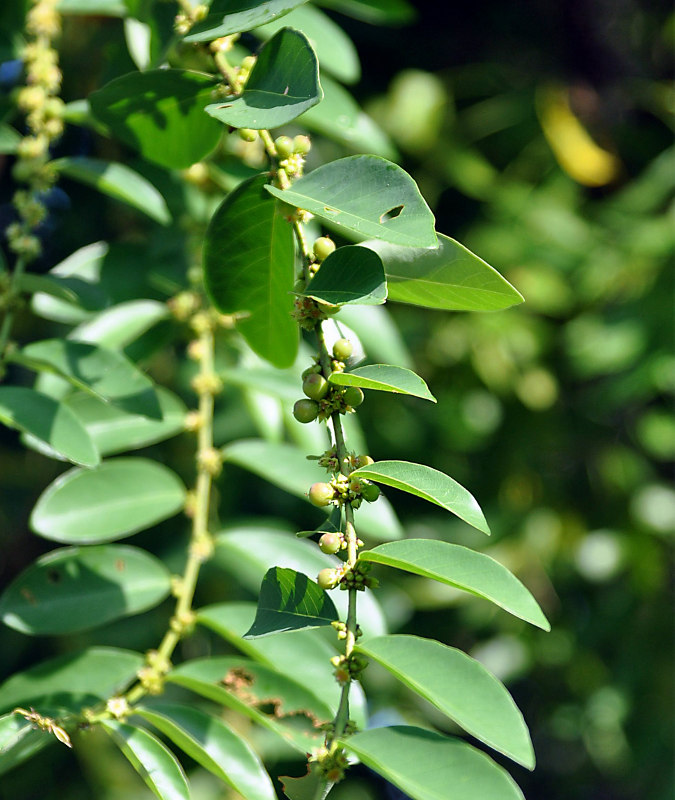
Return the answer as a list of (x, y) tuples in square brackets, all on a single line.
[(329, 543), (315, 386), (248, 135), (327, 579), (364, 461), (369, 492), (353, 396), (342, 349), (284, 146), (305, 410), (323, 247), (302, 144), (320, 494)]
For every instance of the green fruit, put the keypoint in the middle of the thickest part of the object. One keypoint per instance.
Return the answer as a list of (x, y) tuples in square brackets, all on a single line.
[(321, 494), (306, 410), (284, 146), (327, 578), (315, 386), (342, 349), (323, 247), (329, 543), (302, 144), (369, 492), (364, 461), (247, 134), (353, 396)]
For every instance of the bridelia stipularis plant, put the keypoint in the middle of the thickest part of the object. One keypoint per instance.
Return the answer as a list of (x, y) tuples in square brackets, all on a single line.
[(280, 247)]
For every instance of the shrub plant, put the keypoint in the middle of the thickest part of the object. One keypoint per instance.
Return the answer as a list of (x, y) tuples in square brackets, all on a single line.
[(280, 276)]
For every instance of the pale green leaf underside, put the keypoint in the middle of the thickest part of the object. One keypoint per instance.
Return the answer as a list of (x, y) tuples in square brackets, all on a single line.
[(238, 16), (367, 195), (289, 601), (346, 277), (428, 766), (460, 687), (449, 277), (429, 484), (464, 569), (384, 378)]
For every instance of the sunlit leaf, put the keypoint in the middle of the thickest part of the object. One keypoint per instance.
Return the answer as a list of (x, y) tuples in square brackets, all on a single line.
[(346, 277), (384, 378), (237, 16)]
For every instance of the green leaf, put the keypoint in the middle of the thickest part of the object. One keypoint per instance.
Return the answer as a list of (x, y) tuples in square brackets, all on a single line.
[(384, 378), (237, 16), (115, 431), (210, 742), (464, 569), (76, 588), (46, 284), (53, 423), (160, 113), (283, 84), (425, 765), (249, 267), (103, 8), (114, 500), (306, 787), (109, 375), (338, 117), (378, 334), (367, 195), (289, 601), (245, 686), (376, 12), (73, 680), (266, 381), (450, 277), (151, 759), (334, 49), (347, 277), (429, 484), (9, 139), (118, 181), (19, 741), (460, 687), (120, 325)]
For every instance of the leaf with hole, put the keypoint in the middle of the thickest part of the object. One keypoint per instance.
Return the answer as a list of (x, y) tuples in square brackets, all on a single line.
[(237, 16), (117, 181), (460, 687), (249, 267), (384, 378), (424, 764), (53, 423), (346, 277), (153, 761), (429, 484), (118, 498), (283, 84), (449, 277), (290, 601), (213, 745), (464, 569), (368, 195), (77, 588)]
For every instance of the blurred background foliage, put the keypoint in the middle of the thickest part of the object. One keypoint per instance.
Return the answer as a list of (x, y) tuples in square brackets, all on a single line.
[(541, 135)]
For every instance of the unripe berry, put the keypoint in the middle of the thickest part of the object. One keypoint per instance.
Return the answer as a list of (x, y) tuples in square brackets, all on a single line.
[(306, 410), (353, 396), (342, 349), (327, 578), (315, 386), (329, 543), (284, 146), (369, 492), (364, 461), (321, 494), (247, 134), (323, 247), (302, 144)]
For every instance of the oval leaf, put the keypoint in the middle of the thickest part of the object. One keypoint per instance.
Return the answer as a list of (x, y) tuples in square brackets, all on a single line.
[(347, 277), (464, 569), (368, 195), (77, 588), (384, 378), (151, 759), (249, 267), (460, 687), (53, 423), (120, 325), (212, 744), (226, 16), (429, 484), (450, 277), (118, 181), (425, 765), (283, 84), (74, 680), (114, 500), (289, 601), (160, 113), (19, 740)]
